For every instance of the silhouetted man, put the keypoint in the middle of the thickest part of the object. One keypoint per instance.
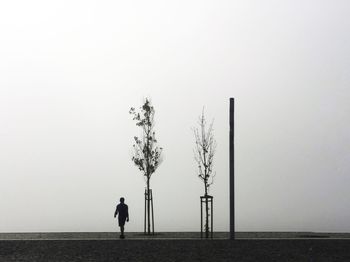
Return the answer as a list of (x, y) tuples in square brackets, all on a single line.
[(123, 214)]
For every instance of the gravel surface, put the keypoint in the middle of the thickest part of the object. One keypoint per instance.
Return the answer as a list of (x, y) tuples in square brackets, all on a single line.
[(175, 250)]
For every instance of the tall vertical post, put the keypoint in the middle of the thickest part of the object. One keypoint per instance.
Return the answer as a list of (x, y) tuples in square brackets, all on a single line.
[(232, 171)]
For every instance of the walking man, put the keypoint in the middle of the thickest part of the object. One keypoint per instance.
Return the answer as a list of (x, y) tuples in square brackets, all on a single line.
[(123, 214)]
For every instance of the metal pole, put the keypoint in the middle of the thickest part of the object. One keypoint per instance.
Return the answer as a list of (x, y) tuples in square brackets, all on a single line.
[(232, 171)]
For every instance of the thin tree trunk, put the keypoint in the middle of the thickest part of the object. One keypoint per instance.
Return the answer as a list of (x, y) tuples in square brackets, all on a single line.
[(206, 212), (148, 182), (206, 218), (148, 209)]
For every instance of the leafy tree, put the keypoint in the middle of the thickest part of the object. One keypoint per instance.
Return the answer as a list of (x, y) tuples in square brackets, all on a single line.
[(147, 155), (204, 156)]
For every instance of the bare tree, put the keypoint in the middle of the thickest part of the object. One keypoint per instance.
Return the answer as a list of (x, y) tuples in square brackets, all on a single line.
[(204, 157), (147, 155)]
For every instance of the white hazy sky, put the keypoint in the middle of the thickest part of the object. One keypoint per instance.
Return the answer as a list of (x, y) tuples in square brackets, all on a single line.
[(70, 71)]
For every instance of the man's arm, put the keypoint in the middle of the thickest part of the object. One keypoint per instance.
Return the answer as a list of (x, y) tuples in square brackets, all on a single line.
[(127, 213), (116, 212)]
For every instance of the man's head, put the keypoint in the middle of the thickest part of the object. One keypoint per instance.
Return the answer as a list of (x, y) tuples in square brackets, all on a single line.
[(122, 200)]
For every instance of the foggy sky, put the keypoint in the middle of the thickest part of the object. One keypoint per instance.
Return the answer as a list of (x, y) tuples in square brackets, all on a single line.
[(71, 70)]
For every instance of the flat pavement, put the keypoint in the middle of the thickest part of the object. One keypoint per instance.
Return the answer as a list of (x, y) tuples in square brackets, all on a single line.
[(182, 250), (168, 235)]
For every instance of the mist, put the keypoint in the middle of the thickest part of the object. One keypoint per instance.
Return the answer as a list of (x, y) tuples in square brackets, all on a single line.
[(71, 70)]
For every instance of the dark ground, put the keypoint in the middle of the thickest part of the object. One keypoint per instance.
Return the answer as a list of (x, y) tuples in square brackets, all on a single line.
[(176, 250)]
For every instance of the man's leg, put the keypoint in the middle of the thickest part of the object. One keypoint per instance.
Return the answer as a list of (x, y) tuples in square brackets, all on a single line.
[(122, 231)]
